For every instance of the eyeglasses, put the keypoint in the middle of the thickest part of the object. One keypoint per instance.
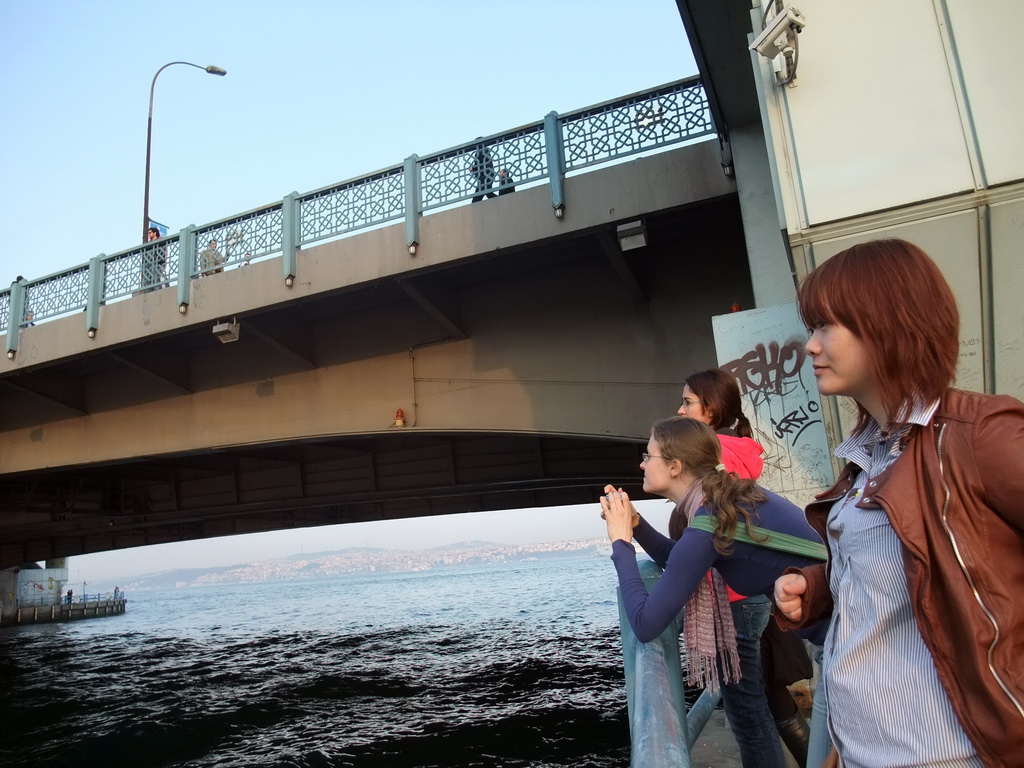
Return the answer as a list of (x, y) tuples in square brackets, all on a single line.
[(688, 403), (648, 457)]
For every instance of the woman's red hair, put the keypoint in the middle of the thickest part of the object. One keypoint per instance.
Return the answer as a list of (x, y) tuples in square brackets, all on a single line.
[(893, 297)]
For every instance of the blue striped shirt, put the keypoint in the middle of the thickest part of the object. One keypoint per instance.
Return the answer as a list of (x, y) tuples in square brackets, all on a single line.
[(886, 705)]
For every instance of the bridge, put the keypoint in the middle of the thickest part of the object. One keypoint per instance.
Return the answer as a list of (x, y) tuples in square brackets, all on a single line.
[(387, 347)]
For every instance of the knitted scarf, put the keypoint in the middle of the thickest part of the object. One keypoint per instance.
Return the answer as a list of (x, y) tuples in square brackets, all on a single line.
[(708, 630)]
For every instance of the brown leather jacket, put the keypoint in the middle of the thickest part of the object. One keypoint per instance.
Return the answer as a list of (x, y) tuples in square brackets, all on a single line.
[(956, 501)]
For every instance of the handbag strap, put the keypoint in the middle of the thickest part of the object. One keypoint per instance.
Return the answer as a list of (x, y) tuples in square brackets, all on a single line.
[(783, 542)]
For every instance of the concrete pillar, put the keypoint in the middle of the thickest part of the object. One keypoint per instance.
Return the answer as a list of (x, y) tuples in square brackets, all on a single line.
[(771, 271), (8, 595)]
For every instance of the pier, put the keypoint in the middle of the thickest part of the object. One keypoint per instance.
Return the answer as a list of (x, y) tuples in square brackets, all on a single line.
[(90, 607)]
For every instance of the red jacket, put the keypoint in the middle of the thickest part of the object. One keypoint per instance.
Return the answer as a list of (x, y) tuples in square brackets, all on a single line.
[(956, 501), (742, 455)]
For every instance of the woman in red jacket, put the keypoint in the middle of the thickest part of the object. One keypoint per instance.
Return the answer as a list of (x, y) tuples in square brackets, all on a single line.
[(925, 526), (713, 397)]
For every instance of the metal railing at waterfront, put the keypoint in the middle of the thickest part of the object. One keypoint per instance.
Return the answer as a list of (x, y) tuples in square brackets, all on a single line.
[(76, 598), (544, 151), (87, 607), (662, 728)]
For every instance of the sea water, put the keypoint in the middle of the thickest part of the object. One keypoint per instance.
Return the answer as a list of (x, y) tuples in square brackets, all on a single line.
[(514, 664)]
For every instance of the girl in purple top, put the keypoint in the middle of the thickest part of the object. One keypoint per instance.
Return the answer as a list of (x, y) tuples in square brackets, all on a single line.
[(683, 463)]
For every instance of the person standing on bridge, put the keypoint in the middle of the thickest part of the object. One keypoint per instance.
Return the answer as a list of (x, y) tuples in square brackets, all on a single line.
[(210, 260), (154, 263), (481, 168), (925, 526), (506, 184), (713, 507)]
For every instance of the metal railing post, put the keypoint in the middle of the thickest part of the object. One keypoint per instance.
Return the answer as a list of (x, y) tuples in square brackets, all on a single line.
[(654, 690), (15, 318), (662, 732), (94, 295), (289, 236), (556, 161), (700, 713), (413, 203), (186, 259)]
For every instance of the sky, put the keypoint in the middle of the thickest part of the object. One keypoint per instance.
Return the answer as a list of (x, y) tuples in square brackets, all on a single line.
[(317, 92)]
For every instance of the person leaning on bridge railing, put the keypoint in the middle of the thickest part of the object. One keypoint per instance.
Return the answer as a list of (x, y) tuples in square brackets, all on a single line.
[(154, 263), (210, 260), (481, 168), (713, 507), (925, 525), (506, 183)]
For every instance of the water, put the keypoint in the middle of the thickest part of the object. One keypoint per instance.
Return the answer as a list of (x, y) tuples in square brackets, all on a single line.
[(498, 665)]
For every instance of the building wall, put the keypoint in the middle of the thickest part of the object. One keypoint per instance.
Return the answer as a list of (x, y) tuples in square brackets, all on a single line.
[(41, 586), (904, 122)]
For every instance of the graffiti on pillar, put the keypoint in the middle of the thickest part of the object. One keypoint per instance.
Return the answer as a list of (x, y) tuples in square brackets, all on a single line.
[(764, 350)]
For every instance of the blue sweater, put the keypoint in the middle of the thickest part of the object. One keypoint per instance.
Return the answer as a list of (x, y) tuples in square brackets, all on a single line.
[(748, 569)]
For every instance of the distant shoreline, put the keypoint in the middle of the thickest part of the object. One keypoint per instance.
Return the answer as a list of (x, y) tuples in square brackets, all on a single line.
[(357, 561)]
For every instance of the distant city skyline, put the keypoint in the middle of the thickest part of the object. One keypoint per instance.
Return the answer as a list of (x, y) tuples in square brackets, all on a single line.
[(355, 561), (520, 526)]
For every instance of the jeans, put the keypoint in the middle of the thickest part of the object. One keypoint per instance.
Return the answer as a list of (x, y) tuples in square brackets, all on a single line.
[(746, 707), (820, 743)]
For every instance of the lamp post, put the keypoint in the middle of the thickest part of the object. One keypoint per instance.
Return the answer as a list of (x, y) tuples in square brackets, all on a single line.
[(149, 132)]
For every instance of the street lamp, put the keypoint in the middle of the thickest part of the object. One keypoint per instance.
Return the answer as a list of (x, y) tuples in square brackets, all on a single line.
[(149, 132)]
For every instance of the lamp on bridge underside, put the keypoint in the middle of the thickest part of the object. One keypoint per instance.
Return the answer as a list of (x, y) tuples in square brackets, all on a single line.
[(226, 331), (631, 235)]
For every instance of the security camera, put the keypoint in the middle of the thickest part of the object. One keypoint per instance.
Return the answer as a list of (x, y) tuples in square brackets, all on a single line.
[(775, 36)]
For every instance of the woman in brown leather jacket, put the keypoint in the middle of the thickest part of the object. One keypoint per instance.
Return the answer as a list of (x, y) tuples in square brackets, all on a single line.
[(925, 527)]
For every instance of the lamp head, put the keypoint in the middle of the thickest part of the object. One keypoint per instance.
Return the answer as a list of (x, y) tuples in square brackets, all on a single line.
[(216, 70)]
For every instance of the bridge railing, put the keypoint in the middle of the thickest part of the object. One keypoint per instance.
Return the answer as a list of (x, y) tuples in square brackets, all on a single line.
[(352, 205), (546, 150), (638, 123)]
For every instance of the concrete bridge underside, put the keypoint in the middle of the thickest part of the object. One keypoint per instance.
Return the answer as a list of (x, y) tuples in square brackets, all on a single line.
[(529, 356)]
